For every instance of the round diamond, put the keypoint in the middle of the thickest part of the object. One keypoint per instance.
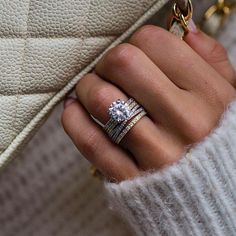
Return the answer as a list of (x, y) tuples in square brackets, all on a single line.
[(119, 111)]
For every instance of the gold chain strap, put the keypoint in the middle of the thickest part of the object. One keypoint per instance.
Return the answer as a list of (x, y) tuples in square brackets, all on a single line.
[(180, 18), (182, 5), (216, 16)]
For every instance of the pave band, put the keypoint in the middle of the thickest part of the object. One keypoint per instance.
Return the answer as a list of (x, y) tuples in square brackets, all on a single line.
[(123, 116), (131, 125)]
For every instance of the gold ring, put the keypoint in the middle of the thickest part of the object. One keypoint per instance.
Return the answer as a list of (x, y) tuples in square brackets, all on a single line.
[(96, 173), (181, 18)]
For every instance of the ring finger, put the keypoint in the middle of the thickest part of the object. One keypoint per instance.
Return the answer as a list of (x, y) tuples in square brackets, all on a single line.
[(148, 143)]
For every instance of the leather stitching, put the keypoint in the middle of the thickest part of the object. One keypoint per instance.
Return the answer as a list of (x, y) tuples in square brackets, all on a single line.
[(22, 69), (147, 14), (58, 37), (26, 94)]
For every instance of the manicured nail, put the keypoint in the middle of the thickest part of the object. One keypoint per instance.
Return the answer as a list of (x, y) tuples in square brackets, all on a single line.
[(192, 27), (68, 101)]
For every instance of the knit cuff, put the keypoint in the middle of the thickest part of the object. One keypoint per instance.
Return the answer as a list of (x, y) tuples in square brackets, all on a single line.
[(195, 196)]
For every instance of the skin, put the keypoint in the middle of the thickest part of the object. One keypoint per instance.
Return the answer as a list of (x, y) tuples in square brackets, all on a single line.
[(185, 86)]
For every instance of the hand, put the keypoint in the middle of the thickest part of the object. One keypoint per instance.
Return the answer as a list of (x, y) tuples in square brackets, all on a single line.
[(185, 86)]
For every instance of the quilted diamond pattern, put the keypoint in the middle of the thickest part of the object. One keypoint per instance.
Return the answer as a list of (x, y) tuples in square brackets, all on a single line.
[(45, 48)]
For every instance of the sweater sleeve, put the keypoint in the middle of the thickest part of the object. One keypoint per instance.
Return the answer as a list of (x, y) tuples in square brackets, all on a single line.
[(195, 196)]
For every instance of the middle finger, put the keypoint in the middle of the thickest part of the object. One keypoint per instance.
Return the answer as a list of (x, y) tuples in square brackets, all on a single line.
[(131, 70)]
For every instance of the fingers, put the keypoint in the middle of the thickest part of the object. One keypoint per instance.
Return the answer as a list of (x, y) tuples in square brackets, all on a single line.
[(96, 95), (88, 137), (154, 149), (212, 52), (131, 70), (177, 60), (150, 87), (147, 142), (183, 94)]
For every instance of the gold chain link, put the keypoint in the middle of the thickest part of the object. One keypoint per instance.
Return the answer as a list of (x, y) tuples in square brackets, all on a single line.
[(221, 9), (180, 17)]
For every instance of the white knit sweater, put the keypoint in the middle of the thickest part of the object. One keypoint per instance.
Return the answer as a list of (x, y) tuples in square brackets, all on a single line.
[(48, 189), (196, 196)]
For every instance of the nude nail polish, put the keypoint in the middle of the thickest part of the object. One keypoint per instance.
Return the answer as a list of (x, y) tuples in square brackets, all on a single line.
[(68, 101), (192, 27)]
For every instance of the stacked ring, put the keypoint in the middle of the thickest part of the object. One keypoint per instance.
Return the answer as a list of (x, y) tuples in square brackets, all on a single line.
[(123, 116)]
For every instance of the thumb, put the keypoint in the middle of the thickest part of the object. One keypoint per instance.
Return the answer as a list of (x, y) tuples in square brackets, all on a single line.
[(211, 51)]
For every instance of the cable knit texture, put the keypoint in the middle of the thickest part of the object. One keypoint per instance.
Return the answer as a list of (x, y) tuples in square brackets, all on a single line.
[(48, 190), (195, 196)]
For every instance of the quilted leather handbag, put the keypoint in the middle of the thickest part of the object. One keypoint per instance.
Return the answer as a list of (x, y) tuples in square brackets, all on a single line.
[(46, 47)]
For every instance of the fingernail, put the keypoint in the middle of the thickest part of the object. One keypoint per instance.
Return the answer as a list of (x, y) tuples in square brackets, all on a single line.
[(68, 101), (192, 27)]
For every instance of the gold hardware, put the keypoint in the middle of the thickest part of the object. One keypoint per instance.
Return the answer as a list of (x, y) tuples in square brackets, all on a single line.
[(95, 172), (220, 11), (181, 18)]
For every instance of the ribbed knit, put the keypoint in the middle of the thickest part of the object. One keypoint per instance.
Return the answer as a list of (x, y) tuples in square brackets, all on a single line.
[(195, 196)]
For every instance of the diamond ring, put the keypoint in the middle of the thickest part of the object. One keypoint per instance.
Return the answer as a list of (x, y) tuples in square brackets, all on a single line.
[(119, 110), (123, 116)]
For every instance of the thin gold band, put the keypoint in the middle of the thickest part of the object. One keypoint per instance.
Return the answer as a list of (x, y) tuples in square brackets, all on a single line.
[(130, 126)]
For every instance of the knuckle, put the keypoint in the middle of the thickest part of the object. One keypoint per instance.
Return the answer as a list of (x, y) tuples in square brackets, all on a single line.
[(220, 97), (144, 33), (84, 79), (98, 98), (198, 130), (121, 56), (217, 53), (88, 146), (229, 73)]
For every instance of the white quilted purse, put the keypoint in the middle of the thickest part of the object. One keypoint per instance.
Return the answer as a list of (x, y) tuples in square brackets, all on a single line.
[(46, 47)]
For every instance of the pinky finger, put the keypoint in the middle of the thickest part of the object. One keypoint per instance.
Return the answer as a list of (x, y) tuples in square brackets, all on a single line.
[(212, 52), (92, 142)]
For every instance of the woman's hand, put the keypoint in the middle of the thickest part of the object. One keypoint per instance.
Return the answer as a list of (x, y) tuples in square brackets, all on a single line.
[(184, 86)]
